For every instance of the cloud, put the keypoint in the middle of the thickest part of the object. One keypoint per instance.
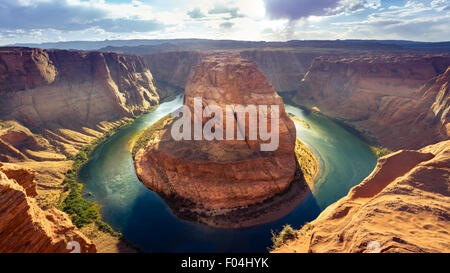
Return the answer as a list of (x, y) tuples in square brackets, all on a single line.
[(297, 9), (64, 16), (226, 25), (232, 12), (126, 25), (196, 13), (400, 23)]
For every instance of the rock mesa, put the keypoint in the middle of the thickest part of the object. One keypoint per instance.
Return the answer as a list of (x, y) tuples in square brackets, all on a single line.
[(219, 176)]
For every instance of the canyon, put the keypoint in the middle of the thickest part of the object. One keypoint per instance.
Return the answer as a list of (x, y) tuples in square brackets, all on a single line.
[(196, 174), (52, 104), (55, 102), (379, 94), (399, 101)]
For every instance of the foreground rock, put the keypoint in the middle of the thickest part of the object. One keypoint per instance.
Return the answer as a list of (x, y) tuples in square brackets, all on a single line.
[(24, 227), (211, 179), (400, 101), (402, 206)]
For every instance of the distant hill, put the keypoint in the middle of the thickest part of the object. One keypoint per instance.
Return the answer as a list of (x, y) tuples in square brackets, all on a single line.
[(145, 46)]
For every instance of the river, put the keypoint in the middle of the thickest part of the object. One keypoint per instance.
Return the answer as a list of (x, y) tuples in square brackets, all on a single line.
[(146, 220)]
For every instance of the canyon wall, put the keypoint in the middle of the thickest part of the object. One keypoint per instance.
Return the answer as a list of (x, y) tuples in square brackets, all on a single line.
[(402, 206), (171, 70), (398, 100), (283, 68), (43, 88), (25, 227)]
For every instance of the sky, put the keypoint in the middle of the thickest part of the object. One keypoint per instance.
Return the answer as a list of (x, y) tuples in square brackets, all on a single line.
[(36, 21)]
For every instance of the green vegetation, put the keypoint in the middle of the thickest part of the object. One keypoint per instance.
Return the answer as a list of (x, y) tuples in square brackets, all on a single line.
[(288, 234), (140, 140), (285, 235), (81, 211), (299, 120), (5, 124), (380, 151), (308, 162)]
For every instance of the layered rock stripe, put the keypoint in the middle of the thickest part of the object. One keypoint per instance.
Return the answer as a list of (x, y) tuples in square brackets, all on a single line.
[(24, 226)]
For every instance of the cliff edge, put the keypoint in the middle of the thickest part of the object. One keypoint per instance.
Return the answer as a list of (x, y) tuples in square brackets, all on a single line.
[(402, 206), (26, 228)]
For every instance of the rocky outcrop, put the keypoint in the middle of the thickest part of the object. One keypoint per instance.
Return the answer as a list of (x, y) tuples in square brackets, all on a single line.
[(26, 228), (70, 89), (381, 96), (218, 176), (402, 206), (437, 92), (22, 176)]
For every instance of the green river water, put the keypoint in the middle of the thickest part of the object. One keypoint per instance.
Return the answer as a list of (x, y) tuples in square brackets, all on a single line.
[(146, 220)]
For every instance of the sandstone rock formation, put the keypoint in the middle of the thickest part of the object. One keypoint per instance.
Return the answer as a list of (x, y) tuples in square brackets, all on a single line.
[(218, 176), (382, 96), (402, 206), (72, 89), (26, 228)]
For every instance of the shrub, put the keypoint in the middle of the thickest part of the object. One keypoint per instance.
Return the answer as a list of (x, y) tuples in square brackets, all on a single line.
[(286, 234), (81, 211), (380, 151)]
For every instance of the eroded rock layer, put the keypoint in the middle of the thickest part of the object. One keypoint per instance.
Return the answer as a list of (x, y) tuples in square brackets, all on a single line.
[(220, 174), (26, 228), (41, 88), (402, 206), (398, 100)]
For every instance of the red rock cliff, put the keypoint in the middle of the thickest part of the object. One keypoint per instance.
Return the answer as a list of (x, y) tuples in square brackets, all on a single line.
[(382, 96), (72, 88), (26, 228)]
